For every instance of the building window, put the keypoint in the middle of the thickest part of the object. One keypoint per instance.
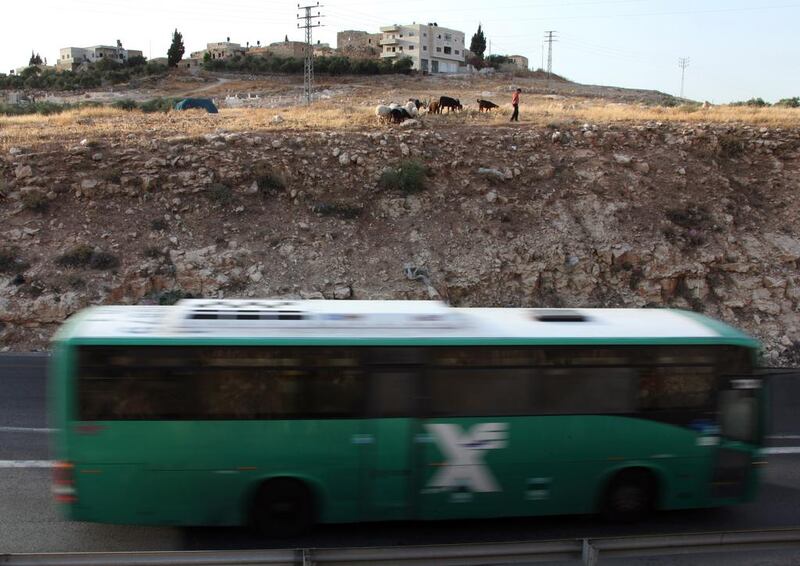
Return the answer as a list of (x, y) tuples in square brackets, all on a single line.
[(438, 50), (447, 51), (424, 47), (439, 36), (400, 48), (448, 37), (456, 51), (411, 48), (411, 34)]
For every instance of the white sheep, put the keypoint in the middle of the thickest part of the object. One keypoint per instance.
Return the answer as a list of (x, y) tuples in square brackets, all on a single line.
[(394, 106), (411, 108), (383, 112)]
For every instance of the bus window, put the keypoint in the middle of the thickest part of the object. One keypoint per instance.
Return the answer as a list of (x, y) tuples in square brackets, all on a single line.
[(287, 383), (392, 393), (487, 356), (585, 391), (479, 392), (676, 387)]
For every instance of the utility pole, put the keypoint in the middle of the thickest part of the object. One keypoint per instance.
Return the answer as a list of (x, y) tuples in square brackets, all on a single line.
[(308, 66), (683, 62), (549, 38)]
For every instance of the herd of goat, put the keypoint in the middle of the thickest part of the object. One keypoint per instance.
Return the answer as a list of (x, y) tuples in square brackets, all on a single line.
[(395, 113)]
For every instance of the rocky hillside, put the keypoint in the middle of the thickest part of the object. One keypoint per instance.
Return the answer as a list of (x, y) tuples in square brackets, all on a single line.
[(698, 217)]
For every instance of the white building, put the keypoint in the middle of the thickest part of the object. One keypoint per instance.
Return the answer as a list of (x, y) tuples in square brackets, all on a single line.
[(68, 56), (432, 49)]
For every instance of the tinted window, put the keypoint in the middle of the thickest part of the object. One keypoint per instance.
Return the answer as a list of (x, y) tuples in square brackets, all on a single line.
[(392, 393), (585, 390), (219, 383), (475, 392)]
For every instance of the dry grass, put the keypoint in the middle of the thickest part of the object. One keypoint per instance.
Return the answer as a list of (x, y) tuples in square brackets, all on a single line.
[(108, 123)]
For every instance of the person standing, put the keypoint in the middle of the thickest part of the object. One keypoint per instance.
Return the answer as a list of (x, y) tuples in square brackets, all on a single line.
[(515, 104)]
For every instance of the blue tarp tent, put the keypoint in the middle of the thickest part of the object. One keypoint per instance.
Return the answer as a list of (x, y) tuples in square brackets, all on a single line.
[(189, 103)]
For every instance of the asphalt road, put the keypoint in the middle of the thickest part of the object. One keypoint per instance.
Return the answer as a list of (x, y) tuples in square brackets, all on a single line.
[(29, 521)]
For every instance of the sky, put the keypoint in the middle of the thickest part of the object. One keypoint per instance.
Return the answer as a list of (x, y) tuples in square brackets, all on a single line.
[(737, 49)]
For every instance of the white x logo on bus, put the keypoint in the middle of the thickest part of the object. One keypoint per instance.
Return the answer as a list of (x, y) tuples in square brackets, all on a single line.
[(464, 452)]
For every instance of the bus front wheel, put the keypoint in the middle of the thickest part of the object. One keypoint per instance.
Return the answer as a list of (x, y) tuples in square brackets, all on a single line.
[(630, 496), (283, 507)]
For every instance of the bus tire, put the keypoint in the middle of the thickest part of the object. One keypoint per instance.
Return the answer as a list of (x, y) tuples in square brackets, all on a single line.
[(283, 507), (630, 496)]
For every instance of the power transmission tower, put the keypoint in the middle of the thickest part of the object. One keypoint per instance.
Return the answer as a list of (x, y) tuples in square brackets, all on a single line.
[(549, 38), (683, 62), (308, 66)]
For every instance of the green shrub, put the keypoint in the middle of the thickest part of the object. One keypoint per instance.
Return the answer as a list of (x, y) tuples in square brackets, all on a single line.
[(125, 104), (691, 217), (220, 193), (753, 102), (34, 200), (158, 105), (83, 255), (158, 224), (789, 102), (408, 177), (339, 209)]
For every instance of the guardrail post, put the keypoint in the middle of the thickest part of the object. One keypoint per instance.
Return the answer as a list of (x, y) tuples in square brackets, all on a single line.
[(589, 554), (307, 557)]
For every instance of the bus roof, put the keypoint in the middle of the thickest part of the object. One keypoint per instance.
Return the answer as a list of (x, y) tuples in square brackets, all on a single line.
[(209, 321)]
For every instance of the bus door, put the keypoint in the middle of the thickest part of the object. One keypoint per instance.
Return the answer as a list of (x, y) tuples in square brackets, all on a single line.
[(742, 431), (388, 465)]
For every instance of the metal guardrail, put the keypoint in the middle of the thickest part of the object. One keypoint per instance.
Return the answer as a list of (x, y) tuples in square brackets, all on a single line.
[(590, 551)]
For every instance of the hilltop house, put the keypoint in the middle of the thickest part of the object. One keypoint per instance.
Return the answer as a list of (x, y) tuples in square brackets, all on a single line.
[(431, 48)]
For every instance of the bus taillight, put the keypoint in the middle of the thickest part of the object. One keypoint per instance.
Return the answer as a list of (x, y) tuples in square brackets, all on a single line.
[(64, 482)]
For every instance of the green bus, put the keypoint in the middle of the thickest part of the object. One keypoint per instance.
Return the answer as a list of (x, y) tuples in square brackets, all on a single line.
[(283, 414)]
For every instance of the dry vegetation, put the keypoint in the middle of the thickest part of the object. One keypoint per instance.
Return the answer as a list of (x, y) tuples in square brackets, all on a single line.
[(75, 125)]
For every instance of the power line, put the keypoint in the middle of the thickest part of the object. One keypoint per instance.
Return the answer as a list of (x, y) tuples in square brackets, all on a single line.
[(683, 62), (308, 64)]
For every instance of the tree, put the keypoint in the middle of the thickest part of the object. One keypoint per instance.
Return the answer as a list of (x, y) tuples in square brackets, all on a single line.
[(478, 43), (35, 60), (176, 50)]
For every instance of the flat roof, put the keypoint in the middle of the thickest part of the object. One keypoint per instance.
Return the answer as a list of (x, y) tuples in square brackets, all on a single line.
[(318, 321)]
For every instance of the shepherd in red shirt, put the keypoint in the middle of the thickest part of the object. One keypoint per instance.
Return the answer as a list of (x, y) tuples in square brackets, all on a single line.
[(515, 104)]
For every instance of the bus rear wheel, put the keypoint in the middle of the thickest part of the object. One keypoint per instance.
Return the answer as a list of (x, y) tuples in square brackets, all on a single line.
[(283, 508), (630, 496)]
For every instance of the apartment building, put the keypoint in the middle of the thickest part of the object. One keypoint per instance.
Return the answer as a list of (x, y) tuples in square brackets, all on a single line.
[(70, 56), (432, 49)]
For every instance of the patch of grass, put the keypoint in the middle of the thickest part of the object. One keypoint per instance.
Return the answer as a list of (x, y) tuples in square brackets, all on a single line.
[(341, 210), (10, 260), (267, 179), (408, 177), (83, 255), (220, 193)]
